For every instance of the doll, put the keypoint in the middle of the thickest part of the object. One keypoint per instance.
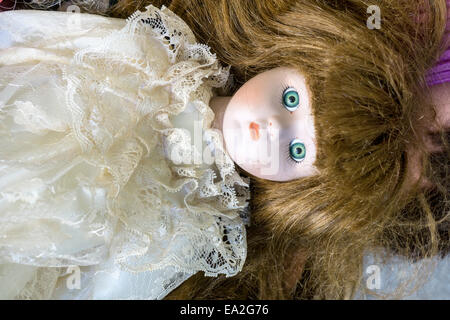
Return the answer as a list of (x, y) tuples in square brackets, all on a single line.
[(305, 238), (96, 120), (382, 147)]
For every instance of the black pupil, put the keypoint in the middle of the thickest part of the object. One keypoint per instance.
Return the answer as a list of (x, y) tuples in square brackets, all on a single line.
[(291, 99), (298, 150)]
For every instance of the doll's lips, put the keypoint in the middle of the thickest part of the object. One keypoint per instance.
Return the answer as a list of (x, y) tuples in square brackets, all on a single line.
[(254, 130)]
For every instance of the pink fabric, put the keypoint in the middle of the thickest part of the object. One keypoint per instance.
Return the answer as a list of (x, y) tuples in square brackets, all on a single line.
[(440, 73)]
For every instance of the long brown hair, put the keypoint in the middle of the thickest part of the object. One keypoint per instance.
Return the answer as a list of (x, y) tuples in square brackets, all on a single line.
[(308, 237)]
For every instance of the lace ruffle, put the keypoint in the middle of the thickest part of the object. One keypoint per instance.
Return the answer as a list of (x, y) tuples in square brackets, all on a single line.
[(97, 169)]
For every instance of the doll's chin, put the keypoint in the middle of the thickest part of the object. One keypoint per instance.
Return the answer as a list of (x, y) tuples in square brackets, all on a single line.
[(248, 169), (255, 170)]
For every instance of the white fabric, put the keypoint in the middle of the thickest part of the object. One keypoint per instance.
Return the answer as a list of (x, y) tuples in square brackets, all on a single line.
[(92, 110)]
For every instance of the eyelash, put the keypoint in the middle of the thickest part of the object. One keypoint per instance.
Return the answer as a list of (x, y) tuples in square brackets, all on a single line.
[(285, 86), (291, 161)]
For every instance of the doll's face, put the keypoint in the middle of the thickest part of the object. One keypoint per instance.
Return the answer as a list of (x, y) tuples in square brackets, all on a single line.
[(268, 126)]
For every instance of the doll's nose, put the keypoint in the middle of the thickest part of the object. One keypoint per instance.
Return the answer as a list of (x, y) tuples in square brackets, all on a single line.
[(265, 127), (254, 128)]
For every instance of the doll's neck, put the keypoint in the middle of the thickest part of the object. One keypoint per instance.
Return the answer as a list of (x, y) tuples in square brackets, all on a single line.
[(219, 104)]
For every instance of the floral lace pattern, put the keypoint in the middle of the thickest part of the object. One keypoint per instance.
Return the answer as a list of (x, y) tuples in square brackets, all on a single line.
[(87, 166)]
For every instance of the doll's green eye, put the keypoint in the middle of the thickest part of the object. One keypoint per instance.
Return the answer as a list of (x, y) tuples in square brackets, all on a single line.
[(291, 99), (297, 150)]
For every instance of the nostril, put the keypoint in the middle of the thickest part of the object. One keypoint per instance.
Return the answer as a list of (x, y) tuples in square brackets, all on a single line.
[(254, 130)]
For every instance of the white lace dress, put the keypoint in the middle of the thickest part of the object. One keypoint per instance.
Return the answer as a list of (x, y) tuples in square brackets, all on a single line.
[(95, 115)]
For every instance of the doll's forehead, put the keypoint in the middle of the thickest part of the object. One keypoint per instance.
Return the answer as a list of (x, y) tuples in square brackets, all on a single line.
[(287, 72), (296, 77), (267, 84), (281, 76)]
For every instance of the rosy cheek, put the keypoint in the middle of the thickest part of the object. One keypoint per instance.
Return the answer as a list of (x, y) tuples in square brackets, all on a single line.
[(254, 130)]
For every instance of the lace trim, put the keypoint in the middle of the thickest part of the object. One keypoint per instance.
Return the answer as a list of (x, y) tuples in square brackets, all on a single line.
[(122, 96), (210, 210)]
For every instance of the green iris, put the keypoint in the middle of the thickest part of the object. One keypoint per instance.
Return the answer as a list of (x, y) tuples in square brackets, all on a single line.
[(297, 150), (291, 99)]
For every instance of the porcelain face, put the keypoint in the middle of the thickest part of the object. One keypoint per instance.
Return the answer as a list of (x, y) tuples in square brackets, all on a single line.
[(268, 126)]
